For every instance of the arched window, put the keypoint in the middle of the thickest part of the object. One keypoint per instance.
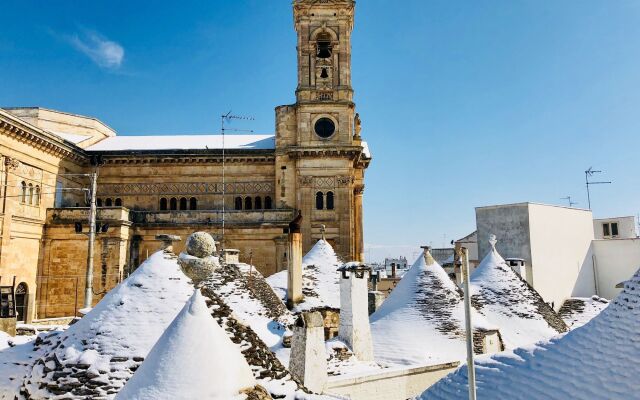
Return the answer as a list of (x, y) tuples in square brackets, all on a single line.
[(258, 203), (99, 202), (31, 193), (329, 200), (324, 45), (22, 291), (118, 202), (319, 201), (108, 202), (238, 203), (163, 204), (268, 205), (173, 203), (247, 203), (37, 195), (183, 203), (193, 203), (23, 194)]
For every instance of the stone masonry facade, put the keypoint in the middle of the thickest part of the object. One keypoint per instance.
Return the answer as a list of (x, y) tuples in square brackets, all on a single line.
[(316, 166)]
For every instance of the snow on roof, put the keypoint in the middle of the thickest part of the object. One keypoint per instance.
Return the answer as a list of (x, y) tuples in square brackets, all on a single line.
[(16, 357), (506, 300), (365, 150), (71, 137), (320, 279), (577, 311), (108, 343), (193, 359), (184, 142), (422, 320), (256, 319), (597, 361)]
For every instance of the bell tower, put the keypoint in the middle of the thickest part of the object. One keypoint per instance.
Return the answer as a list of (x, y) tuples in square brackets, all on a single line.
[(320, 157), (324, 50)]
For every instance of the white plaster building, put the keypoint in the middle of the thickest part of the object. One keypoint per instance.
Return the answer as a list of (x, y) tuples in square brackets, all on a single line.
[(615, 228), (566, 252), (554, 241)]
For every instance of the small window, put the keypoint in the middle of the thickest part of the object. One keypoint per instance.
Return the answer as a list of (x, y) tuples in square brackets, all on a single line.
[(329, 200), (248, 203), (268, 205), (193, 203), (183, 203), (118, 202), (325, 128), (173, 203), (614, 229), (238, 203), (99, 202), (23, 195), (319, 201), (31, 199), (163, 204), (37, 196), (258, 203), (605, 230), (108, 202)]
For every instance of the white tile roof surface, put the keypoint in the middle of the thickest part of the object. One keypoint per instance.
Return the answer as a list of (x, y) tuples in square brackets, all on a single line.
[(184, 142)]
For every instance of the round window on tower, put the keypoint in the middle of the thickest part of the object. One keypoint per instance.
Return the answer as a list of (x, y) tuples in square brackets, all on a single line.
[(325, 128)]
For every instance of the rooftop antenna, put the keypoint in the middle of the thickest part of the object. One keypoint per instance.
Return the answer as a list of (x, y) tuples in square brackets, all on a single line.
[(228, 117), (588, 173), (571, 203)]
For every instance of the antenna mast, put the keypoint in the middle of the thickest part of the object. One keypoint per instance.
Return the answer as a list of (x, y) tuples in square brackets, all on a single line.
[(228, 117), (571, 203), (587, 174)]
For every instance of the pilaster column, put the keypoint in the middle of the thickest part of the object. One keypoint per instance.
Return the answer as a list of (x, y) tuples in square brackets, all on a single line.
[(358, 192)]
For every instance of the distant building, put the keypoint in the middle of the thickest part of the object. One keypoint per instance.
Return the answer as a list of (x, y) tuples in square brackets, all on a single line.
[(396, 266)]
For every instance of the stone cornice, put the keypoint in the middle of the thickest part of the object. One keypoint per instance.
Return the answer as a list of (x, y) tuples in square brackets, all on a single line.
[(187, 157), (352, 152), (39, 139)]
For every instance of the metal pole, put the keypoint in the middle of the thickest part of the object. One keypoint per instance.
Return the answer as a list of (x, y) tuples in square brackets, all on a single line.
[(471, 370), (223, 181), (586, 179), (88, 292)]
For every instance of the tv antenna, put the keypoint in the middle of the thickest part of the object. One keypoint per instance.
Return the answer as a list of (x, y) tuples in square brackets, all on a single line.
[(228, 118), (589, 173), (571, 203)]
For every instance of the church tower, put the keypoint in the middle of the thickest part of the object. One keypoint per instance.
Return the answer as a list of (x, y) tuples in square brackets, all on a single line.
[(320, 157)]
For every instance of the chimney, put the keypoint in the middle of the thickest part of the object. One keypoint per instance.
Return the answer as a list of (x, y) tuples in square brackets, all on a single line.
[(354, 310), (294, 274), (426, 253), (308, 360), (393, 270)]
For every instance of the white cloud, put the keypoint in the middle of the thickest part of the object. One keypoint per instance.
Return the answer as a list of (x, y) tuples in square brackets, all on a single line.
[(104, 52)]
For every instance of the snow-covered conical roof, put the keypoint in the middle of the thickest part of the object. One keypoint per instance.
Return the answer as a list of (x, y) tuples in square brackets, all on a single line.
[(193, 359), (509, 302), (98, 354), (598, 361), (320, 279), (422, 320)]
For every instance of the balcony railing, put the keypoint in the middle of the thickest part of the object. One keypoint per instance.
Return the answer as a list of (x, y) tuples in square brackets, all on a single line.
[(213, 217)]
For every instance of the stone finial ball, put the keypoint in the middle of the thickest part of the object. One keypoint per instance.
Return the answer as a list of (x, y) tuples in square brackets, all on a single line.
[(200, 244)]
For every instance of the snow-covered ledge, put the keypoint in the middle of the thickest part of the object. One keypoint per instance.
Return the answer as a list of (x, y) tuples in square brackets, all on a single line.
[(354, 310)]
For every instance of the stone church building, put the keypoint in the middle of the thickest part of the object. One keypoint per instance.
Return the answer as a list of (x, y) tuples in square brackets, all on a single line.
[(149, 185)]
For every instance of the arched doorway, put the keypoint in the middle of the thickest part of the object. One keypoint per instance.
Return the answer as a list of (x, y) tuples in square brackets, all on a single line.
[(22, 298)]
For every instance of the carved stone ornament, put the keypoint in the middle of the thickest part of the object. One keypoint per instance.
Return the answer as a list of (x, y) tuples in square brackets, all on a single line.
[(306, 180), (344, 180), (11, 163)]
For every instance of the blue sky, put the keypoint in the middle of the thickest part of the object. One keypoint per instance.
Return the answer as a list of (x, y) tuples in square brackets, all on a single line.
[(464, 103)]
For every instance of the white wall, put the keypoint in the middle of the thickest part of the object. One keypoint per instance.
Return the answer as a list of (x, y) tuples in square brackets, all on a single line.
[(561, 263), (626, 227), (615, 261)]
